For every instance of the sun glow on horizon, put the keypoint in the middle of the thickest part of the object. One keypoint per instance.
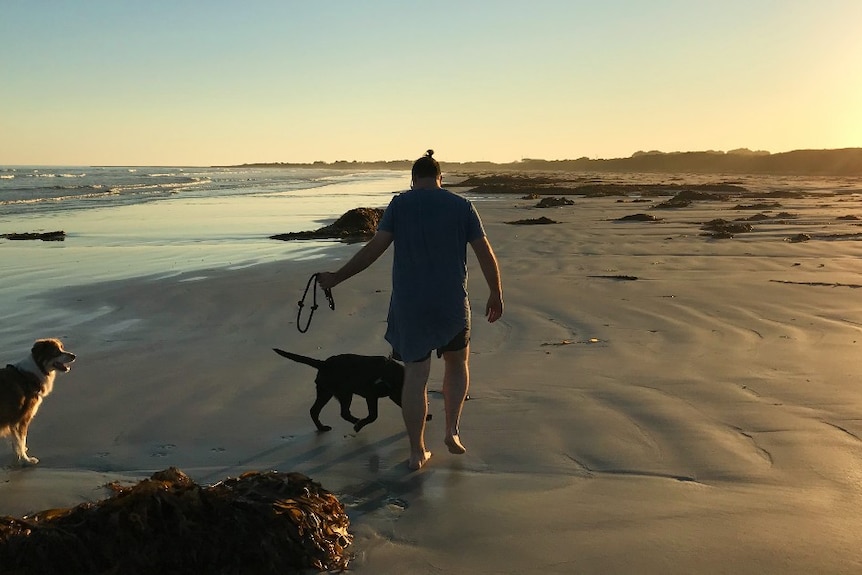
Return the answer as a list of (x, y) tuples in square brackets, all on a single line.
[(505, 81)]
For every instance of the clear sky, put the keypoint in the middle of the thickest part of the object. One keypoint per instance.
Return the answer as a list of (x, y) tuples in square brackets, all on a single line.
[(181, 82)]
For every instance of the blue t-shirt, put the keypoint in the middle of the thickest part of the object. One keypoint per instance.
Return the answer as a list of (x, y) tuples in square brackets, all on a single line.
[(428, 307)]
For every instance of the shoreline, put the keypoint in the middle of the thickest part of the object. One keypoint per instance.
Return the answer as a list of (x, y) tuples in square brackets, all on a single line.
[(165, 237), (699, 418)]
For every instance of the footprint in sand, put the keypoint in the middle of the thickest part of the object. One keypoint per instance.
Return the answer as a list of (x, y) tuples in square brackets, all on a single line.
[(397, 503), (164, 450)]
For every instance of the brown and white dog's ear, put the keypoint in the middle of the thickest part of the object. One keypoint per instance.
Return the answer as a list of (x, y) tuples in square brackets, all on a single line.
[(46, 349)]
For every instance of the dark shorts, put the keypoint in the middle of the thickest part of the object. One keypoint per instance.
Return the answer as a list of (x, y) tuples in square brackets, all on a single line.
[(458, 342)]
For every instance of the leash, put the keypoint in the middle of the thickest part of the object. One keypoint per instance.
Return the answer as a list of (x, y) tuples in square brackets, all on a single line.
[(314, 306)]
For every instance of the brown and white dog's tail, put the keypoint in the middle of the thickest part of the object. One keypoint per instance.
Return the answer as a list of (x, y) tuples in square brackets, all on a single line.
[(315, 363)]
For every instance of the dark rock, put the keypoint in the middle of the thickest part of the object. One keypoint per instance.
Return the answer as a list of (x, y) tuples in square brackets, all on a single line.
[(530, 189), (699, 195), (724, 225), (356, 225), (554, 202), (799, 238), (763, 206), (563, 183), (535, 221), (618, 278), (673, 203), (606, 189), (507, 181), (783, 194), (58, 236), (755, 218), (638, 218), (761, 217), (855, 237), (723, 229)]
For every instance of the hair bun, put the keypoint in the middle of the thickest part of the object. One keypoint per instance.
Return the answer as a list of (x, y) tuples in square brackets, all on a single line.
[(429, 153)]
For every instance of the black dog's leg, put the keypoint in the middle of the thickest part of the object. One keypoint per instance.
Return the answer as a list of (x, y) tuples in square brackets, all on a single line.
[(345, 401), (323, 398), (372, 414)]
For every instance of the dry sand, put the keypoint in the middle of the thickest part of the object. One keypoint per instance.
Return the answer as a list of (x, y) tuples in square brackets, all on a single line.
[(703, 418)]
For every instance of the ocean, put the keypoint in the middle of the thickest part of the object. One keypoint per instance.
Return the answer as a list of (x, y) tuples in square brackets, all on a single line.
[(35, 190), (123, 222)]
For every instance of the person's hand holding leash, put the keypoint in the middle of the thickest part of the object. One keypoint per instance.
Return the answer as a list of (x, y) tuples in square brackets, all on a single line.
[(312, 284), (326, 280)]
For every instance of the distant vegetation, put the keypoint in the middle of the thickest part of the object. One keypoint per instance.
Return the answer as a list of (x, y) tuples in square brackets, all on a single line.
[(841, 162)]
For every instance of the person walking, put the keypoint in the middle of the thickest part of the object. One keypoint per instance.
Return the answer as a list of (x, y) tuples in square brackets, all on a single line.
[(429, 307)]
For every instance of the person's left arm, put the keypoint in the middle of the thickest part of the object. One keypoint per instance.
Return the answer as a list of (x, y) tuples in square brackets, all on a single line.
[(491, 270)]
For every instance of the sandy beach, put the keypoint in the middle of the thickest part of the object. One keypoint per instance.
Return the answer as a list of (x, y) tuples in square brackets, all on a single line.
[(653, 400)]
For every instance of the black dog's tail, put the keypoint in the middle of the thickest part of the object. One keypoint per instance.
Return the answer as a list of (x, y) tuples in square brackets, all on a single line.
[(315, 363)]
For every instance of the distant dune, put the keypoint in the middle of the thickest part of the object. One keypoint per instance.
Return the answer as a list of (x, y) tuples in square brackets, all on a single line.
[(841, 162), (844, 162)]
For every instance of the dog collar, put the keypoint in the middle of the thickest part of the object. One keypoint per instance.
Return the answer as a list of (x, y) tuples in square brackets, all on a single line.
[(28, 377)]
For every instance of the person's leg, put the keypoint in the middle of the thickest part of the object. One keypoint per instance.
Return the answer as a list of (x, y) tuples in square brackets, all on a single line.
[(456, 382), (414, 409)]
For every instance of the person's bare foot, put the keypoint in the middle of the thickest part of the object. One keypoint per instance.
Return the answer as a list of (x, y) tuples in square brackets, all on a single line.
[(453, 442), (417, 460)]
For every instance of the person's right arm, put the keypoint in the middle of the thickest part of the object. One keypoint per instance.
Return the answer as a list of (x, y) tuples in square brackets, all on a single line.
[(366, 256), (491, 270)]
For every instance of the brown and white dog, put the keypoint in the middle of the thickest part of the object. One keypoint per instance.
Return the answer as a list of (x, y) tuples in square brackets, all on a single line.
[(24, 385)]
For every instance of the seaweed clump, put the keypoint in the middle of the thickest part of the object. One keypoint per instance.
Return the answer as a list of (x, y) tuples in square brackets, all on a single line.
[(256, 523), (355, 225)]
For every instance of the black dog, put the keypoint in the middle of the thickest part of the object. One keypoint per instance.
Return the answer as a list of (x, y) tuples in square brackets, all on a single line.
[(343, 376)]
